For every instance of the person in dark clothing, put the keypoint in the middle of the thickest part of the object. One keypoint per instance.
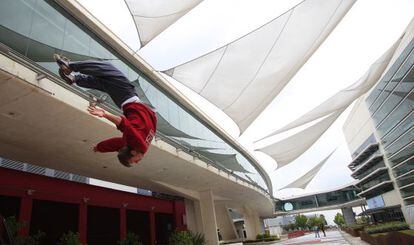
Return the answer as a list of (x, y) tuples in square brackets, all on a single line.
[(139, 122), (322, 224)]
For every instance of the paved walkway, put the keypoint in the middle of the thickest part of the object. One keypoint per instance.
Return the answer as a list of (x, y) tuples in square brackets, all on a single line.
[(332, 238), (353, 240)]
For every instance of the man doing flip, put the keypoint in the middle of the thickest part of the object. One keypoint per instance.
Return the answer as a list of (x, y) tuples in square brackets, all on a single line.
[(138, 124)]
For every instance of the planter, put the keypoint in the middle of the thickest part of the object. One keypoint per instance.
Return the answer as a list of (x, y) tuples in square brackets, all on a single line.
[(393, 237), (260, 243), (295, 234), (354, 231)]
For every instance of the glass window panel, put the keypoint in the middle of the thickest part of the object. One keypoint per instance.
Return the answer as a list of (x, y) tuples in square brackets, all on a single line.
[(17, 15), (405, 126), (400, 143), (397, 115), (381, 178), (371, 169), (304, 202), (370, 140), (121, 66), (48, 25), (407, 192), (14, 40), (98, 51), (395, 98), (404, 168), (133, 76), (403, 155), (409, 201), (76, 40), (408, 179), (376, 98), (173, 113)]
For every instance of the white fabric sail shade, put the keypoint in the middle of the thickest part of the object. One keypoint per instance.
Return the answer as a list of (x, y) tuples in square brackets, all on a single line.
[(287, 150), (345, 97), (151, 17), (305, 179), (244, 76)]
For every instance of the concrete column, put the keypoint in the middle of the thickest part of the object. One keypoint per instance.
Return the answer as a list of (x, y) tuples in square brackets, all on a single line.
[(208, 215), (224, 222), (25, 215), (191, 216), (408, 212), (83, 222), (199, 218), (252, 223), (349, 216)]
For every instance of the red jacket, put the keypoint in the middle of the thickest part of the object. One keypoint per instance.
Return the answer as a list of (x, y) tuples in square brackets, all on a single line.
[(138, 126)]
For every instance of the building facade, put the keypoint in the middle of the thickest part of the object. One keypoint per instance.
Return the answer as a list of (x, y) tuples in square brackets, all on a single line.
[(378, 132)]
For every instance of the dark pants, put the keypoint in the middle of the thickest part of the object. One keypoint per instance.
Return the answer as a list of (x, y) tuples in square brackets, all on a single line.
[(105, 77)]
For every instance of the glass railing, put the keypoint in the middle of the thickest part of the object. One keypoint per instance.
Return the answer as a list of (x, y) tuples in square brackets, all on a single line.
[(37, 29), (370, 170), (381, 178)]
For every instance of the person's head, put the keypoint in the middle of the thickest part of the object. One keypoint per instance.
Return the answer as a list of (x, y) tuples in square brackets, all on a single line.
[(128, 156)]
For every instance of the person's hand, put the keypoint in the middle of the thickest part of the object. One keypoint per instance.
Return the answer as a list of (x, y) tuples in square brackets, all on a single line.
[(96, 111), (94, 148)]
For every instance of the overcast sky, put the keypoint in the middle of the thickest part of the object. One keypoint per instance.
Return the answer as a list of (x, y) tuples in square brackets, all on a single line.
[(365, 33)]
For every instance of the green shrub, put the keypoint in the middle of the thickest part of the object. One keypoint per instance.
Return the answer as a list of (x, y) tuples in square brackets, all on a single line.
[(15, 226), (357, 226), (186, 238), (271, 238), (387, 227), (34, 239), (265, 237), (69, 238), (197, 238), (131, 239), (408, 232)]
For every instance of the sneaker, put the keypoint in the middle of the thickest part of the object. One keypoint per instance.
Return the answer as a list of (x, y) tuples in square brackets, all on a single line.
[(63, 63), (69, 79)]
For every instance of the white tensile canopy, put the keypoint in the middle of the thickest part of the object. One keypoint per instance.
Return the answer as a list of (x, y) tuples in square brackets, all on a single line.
[(243, 77), (292, 147), (151, 17), (345, 97), (287, 150), (305, 179)]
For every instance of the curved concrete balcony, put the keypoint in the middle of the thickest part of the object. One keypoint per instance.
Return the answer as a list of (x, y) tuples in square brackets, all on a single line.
[(372, 175), (363, 155), (373, 160), (46, 123), (374, 188)]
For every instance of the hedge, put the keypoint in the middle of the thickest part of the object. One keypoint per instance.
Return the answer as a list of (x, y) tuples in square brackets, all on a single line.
[(387, 227)]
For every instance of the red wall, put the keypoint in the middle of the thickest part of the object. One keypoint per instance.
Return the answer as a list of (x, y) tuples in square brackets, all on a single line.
[(32, 186)]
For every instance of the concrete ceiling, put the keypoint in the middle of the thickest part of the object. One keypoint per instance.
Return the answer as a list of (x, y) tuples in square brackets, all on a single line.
[(44, 124)]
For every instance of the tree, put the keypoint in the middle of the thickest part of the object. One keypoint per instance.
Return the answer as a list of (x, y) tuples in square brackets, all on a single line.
[(313, 221), (301, 220), (339, 219)]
